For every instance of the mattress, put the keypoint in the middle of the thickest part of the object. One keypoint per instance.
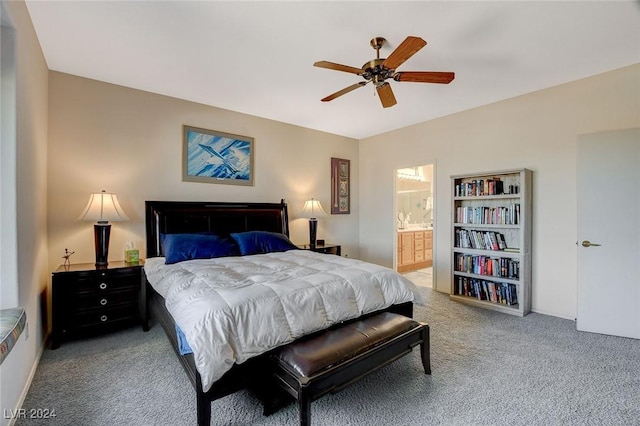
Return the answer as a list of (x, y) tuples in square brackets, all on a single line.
[(234, 308)]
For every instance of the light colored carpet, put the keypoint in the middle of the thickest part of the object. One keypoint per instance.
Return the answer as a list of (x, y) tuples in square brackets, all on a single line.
[(488, 369)]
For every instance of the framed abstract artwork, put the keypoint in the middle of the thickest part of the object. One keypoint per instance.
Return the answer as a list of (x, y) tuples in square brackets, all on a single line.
[(210, 156), (340, 186)]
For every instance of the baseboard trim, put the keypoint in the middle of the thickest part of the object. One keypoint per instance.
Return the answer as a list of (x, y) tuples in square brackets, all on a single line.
[(27, 385), (537, 311)]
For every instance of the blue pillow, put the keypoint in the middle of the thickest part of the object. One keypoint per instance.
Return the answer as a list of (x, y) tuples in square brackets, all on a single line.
[(259, 242), (181, 247)]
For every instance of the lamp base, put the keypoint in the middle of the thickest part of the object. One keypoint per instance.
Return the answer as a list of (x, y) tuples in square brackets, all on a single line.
[(101, 233), (313, 228)]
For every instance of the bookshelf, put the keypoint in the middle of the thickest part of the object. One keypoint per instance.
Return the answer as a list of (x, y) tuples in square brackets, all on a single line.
[(491, 240)]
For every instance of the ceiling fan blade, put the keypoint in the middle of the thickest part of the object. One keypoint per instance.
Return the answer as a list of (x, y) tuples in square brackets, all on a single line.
[(338, 67), (344, 91), (386, 95), (425, 76), (407, 49)]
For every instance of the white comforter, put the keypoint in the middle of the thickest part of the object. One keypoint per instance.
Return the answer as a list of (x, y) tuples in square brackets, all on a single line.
[(234, 308)]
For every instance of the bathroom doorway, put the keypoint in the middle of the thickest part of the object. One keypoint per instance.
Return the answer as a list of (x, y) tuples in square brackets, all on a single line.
[(414, 223)]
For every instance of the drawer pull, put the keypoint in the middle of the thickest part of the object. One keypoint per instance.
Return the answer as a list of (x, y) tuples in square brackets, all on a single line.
[(103, 318), (103, 286), (103, 302)]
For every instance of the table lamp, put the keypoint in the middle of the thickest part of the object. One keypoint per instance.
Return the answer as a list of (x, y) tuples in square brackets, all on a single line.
[(312, 209), (103, 207)]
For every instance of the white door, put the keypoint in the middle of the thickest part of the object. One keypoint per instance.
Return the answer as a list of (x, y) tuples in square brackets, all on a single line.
[(609, 233)]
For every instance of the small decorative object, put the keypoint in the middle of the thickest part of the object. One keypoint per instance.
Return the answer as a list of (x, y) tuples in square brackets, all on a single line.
[(67, 255), (340, 186), (103, 207), (313, 209), (214, 157), (131, 254)]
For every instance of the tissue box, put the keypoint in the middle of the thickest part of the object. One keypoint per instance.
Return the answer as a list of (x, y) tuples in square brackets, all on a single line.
[(131, 256)]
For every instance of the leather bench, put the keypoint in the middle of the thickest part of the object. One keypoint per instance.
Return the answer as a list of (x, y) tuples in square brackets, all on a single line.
[(333, 359)]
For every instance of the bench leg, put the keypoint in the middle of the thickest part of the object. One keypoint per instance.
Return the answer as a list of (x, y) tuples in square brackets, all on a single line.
[(425, 351), (305, 409)]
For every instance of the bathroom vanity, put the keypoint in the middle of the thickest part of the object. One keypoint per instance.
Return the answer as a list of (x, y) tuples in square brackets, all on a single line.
[(415, 248)]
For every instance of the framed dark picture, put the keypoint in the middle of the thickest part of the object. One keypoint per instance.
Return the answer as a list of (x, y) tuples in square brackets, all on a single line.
[(340, 186), (210, 156)]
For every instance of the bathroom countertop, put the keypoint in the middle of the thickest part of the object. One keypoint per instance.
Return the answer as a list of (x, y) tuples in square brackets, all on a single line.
[(414, 228)]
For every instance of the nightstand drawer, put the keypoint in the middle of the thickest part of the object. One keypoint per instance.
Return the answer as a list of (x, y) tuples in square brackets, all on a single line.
[(103, 282), (105, 300), (104, 317)]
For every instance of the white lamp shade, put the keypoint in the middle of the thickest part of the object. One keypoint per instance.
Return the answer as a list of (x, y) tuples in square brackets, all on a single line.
[(103, 207), (313, 208)]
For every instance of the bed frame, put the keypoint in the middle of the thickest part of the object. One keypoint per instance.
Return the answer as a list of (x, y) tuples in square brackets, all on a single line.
[(166, 217)]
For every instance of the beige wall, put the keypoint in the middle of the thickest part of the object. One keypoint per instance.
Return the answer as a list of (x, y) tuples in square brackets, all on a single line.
[(31, 208), (103, 136), (129, 142), (537, 131)]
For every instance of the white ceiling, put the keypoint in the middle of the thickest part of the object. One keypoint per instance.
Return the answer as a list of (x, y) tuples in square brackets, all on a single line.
[(256, 57)]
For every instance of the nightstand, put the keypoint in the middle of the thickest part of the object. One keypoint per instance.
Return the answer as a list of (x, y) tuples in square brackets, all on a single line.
[(325, 248), (88, 300)]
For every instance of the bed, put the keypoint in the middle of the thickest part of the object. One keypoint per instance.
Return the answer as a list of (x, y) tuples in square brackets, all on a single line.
[(159, 303)]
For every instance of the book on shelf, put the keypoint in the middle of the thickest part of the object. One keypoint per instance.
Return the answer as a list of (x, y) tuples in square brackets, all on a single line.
[(490, 291), (480, 240), (485, 291), (479, 187), (493, 240), (501, 215), (502, 267)]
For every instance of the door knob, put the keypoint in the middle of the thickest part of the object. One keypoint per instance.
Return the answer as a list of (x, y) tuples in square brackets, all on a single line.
[(587, 243)]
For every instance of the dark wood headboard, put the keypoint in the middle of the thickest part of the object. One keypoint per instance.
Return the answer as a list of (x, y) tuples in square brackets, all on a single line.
[(173, 217)]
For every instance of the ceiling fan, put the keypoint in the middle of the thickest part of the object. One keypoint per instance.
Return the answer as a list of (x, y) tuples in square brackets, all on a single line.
[(380, 69)]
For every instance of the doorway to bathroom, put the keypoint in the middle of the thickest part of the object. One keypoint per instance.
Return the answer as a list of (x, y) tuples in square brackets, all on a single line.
[(414, 223)]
